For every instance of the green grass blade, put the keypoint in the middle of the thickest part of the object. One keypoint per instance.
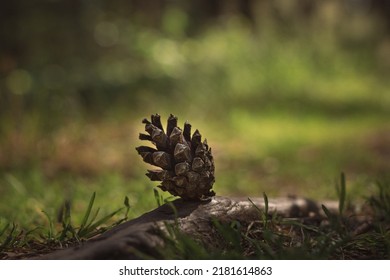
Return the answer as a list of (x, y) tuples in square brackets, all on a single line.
[(158, 197), (265, 204), (87, 213), (10, 238), (342, 194), (93, 218), (50, 233), (127, 205), (265, 214), (100, 222), (87, 228), (327, 212), (66, 222), (254, 205)]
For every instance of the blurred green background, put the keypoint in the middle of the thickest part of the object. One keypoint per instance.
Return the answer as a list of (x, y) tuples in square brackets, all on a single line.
[(288, 93)]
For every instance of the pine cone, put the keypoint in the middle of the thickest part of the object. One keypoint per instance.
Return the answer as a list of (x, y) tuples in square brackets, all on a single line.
[(187, 166)]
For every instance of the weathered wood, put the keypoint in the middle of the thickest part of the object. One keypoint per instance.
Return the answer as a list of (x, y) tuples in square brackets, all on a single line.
[(140, 236)]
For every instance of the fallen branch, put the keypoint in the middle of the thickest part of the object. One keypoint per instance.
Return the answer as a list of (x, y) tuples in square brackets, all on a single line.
[(140, 237)]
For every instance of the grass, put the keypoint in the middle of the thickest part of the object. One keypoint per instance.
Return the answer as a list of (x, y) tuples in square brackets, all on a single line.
[(339, 236), (344, 235), (59, 232)]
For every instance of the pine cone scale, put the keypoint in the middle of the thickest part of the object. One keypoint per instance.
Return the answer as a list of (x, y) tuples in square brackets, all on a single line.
[(182, 168), (162, 159), (182, 153)]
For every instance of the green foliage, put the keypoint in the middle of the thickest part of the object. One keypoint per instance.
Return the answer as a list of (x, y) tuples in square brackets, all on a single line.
[(7, 236), (268, 237), (341, 190), (62, 233), (380, 202)]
